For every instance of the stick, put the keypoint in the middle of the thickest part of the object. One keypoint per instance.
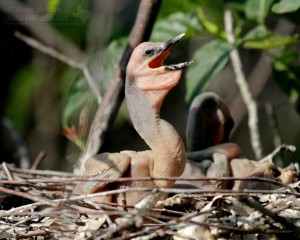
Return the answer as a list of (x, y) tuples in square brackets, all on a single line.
[(63, 58), (244, 88)]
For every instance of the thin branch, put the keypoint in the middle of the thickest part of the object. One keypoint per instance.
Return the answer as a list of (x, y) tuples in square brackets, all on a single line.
[(281, 148), (243, 85), (40, 157), (7, 171), (73, 180), (259, 77), (48, 50), (284, 221), (40, 28), (27, 196), (112, 100), (273, 124), (63, 58), (92, 83)]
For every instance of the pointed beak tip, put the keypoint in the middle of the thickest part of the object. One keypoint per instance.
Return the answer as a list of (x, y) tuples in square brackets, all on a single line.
[(181, 35)]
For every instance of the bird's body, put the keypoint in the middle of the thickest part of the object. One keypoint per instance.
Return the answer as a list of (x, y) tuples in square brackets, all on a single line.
[(147, 83), (209, 124)]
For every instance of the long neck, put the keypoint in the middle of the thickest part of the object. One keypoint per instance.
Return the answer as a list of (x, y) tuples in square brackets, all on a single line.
[(161, 137)]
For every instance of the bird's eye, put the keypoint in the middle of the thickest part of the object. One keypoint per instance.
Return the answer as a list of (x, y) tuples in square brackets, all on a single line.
[(149, 52)]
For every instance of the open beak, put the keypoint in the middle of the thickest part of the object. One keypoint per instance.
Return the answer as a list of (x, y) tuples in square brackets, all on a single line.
[(164, 51), (169, 43)]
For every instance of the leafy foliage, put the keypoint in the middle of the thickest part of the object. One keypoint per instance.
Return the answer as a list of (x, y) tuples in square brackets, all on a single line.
[(286, 6), (210, 59), (202, 17), (201, 20)]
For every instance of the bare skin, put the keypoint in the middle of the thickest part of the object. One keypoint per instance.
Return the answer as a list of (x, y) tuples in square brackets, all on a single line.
[(148, 82)]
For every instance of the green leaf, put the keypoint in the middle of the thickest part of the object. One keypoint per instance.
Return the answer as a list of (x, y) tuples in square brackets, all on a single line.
[(101, 66), (286, 74), (259, 32), (175, 24), (212, 11), (269, 42), (210, 59), (286, 6), (169, 7), (288, 57), (21, 90), (52, 7), (209, 26), (78, 96), (262, 38), (257, 9)]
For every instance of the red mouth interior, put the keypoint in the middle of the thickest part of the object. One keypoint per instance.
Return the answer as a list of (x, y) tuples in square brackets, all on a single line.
[(158, 61)]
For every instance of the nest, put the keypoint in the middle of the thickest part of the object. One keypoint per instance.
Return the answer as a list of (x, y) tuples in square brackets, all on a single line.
[(40, 205)]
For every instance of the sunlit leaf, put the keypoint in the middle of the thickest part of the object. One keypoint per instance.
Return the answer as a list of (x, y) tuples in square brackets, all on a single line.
[(212, 12), (210, 26), (52, 7), (210, 59), (269, 42), (175, 24), (286, 6), (262, 38)]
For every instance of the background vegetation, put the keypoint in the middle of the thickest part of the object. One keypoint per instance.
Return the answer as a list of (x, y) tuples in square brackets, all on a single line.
[(47, 101)]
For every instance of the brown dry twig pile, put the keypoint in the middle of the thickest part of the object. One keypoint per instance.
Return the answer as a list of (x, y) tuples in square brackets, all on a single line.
[(40, 204)]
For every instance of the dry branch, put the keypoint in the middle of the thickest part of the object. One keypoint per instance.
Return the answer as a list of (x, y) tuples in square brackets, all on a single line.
[(73, 217), (243, 85), (63, 58)]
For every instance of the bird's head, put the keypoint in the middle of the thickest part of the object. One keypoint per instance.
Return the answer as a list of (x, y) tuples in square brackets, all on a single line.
[(146, 70)]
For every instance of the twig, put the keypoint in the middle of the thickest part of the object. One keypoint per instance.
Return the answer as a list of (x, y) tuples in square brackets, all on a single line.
[(273, 124), (17, 224), (63, 58), (133, 221), (99, 209), (284, 221), (259, 76), (27, 196), (7, 171), (281, 148), (244, 88), (48, 50), (42, 30), (42, 172), (76, 179), (107, 110), (38, 160)]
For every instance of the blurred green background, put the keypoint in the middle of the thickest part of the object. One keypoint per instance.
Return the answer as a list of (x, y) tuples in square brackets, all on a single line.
[(49, 104)]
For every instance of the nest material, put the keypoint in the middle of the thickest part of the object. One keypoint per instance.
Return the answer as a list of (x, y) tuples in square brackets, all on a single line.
[(40, 205)]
